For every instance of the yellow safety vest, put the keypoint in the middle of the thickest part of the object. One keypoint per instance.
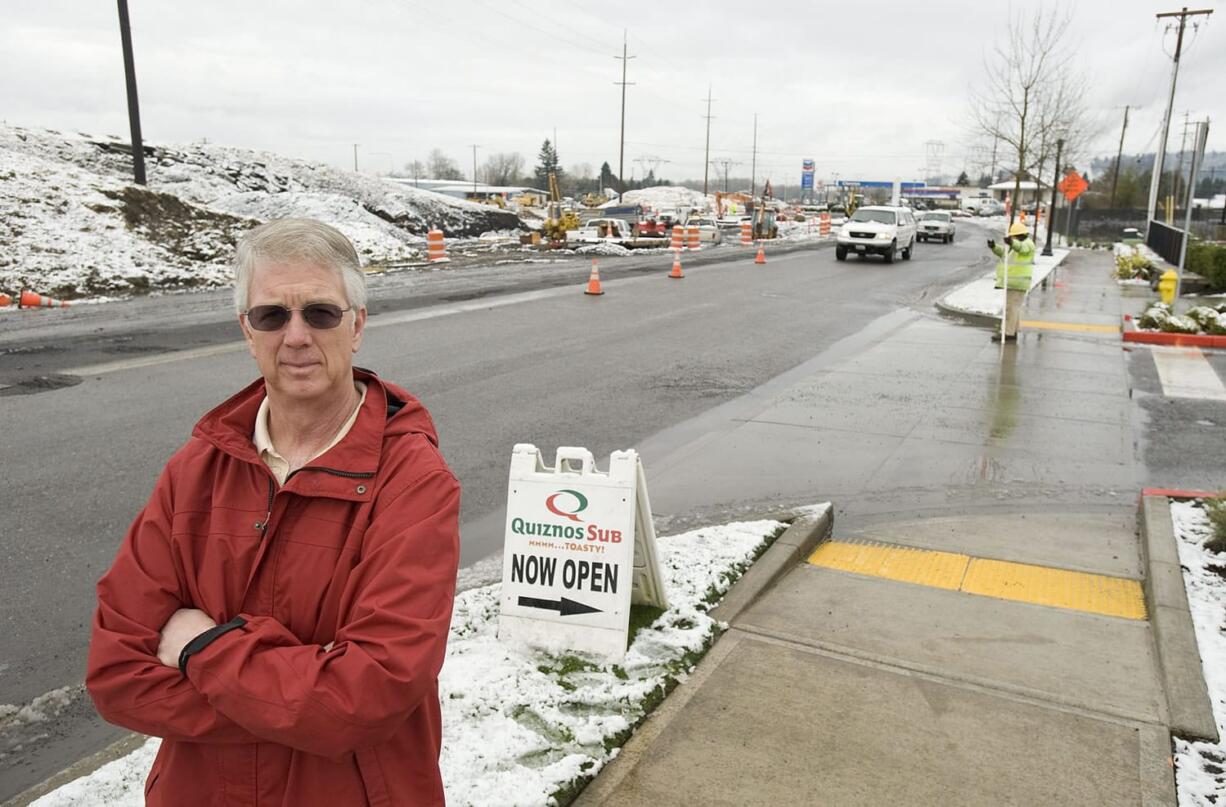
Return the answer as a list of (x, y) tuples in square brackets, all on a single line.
[(1020, 264)]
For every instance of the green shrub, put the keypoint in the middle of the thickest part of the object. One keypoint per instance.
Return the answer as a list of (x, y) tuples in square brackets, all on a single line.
[(1202, 315), (1129, 266), (1208, 261), (1154, 316), (1215, 509), (1179, 324)]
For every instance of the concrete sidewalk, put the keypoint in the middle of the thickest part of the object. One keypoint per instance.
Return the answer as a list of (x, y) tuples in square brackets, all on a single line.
[(975, 632)]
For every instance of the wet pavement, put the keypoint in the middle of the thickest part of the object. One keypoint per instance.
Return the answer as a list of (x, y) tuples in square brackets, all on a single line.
[(847, 687)]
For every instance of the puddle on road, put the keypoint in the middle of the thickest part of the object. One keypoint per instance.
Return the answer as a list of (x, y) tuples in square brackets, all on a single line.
[(32, 385)]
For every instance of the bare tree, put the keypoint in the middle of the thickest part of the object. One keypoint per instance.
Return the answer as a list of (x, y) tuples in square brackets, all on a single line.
[(417, 169), (502, 168), (440, 166), (1031, 95), (581, 171)]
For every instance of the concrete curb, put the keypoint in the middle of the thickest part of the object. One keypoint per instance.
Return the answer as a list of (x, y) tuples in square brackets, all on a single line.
[(1175, 339), (1166, 599), (796, 543), (971, 317), (982, 318), (82, 767)]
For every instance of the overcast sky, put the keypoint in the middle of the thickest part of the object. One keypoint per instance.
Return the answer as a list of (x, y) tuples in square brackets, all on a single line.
[(860, 87)]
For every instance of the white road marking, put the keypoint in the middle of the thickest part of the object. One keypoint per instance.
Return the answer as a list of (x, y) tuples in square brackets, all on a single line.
[(1186, 373)]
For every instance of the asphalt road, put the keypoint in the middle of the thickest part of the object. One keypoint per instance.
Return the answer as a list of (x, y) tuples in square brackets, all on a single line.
[(500, 355)]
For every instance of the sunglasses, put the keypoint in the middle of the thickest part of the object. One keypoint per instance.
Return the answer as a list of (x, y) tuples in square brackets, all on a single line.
[(321, 316)]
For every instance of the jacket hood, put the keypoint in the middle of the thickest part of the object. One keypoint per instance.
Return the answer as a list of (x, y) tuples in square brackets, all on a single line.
[(389, 411)]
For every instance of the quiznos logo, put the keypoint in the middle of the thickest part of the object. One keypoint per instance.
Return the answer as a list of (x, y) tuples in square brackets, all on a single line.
[(566, 504)]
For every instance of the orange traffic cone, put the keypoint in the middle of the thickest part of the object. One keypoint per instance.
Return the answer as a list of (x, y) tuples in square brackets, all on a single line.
[(29, 299), (5, 300), (593, 281), (676, 273), (761, 257)]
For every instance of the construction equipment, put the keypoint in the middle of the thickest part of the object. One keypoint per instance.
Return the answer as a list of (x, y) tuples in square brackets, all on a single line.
[(558, 223), (764, 221), (736, 203)]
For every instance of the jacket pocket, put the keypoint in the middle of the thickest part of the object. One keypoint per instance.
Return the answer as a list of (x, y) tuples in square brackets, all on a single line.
[(372, 778), (154, 773)]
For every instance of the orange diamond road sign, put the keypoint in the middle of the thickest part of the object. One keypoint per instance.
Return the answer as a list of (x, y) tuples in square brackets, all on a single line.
[(1073, 185)]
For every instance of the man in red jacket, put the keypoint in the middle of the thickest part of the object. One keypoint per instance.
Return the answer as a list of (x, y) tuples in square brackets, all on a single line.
[(278, 612)]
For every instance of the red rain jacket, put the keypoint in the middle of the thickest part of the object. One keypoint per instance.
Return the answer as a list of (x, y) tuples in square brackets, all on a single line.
[(359, 548)]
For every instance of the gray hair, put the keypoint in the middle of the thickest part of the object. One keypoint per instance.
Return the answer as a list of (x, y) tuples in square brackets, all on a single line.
[(282, 239)]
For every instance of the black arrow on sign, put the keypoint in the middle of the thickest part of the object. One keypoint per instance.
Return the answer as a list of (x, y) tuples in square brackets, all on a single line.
[(563, 606)]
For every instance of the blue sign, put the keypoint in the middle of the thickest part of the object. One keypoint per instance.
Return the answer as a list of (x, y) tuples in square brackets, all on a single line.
[(906, 186), (806, 181)]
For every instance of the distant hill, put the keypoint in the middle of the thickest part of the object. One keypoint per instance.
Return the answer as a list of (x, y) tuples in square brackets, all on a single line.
[(1145, 162), (72, 223)]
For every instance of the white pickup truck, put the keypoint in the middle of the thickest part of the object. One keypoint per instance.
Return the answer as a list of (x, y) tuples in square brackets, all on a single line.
[(610, 231)]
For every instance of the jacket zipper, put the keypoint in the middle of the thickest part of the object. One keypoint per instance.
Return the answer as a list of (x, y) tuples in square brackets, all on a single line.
[(262, 526), (333, 471)]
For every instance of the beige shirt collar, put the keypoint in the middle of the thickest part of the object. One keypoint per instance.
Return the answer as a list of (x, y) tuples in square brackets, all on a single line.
[(268, 452)]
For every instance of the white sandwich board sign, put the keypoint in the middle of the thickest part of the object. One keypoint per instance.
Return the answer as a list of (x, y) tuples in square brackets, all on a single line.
[(580, 547)]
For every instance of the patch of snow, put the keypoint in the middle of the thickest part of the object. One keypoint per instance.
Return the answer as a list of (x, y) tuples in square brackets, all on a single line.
[(604, 248), (119, 783), (982, 297), (520, 724), (1200, 768), (43, 708)]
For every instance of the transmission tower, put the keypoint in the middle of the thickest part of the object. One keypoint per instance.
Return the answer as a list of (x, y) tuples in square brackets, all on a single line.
[(935, 149)]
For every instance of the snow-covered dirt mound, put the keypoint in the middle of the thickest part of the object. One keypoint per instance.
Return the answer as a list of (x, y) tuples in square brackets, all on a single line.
[(72, 224), (666, 197)]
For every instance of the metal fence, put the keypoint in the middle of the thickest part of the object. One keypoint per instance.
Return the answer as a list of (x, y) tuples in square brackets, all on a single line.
[(1166, 241)]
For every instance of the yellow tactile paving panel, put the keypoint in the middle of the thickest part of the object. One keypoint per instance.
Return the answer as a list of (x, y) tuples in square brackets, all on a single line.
[(1021, 582), (1059, 588), (1076, 327), (909, 565)]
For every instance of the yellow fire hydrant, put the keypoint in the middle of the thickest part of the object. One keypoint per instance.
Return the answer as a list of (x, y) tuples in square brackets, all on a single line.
[(1166, 286)]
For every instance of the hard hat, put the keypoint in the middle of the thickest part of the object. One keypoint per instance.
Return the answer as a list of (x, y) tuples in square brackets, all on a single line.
[(1018, 229)]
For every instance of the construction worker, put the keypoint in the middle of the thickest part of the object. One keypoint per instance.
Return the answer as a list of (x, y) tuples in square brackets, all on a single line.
[(1018, 265)]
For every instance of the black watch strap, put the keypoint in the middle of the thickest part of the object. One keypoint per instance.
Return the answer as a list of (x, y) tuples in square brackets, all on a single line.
[(205, 639)]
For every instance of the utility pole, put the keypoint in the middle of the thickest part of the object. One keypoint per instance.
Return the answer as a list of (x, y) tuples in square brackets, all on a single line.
[(129, 69), (621, 150), (1183, 144), (1202, 134), (1170, 103), (475, 147), (1051, 213), (706, 160), (355, 158), (1115, 181), (726, 163), (753, 171)]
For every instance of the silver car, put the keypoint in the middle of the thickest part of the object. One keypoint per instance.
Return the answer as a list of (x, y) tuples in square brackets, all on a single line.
[(936, 225)]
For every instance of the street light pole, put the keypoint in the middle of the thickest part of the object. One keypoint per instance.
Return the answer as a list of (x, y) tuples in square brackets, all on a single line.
[(475, 147), (129, 69), (1051, 214)]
